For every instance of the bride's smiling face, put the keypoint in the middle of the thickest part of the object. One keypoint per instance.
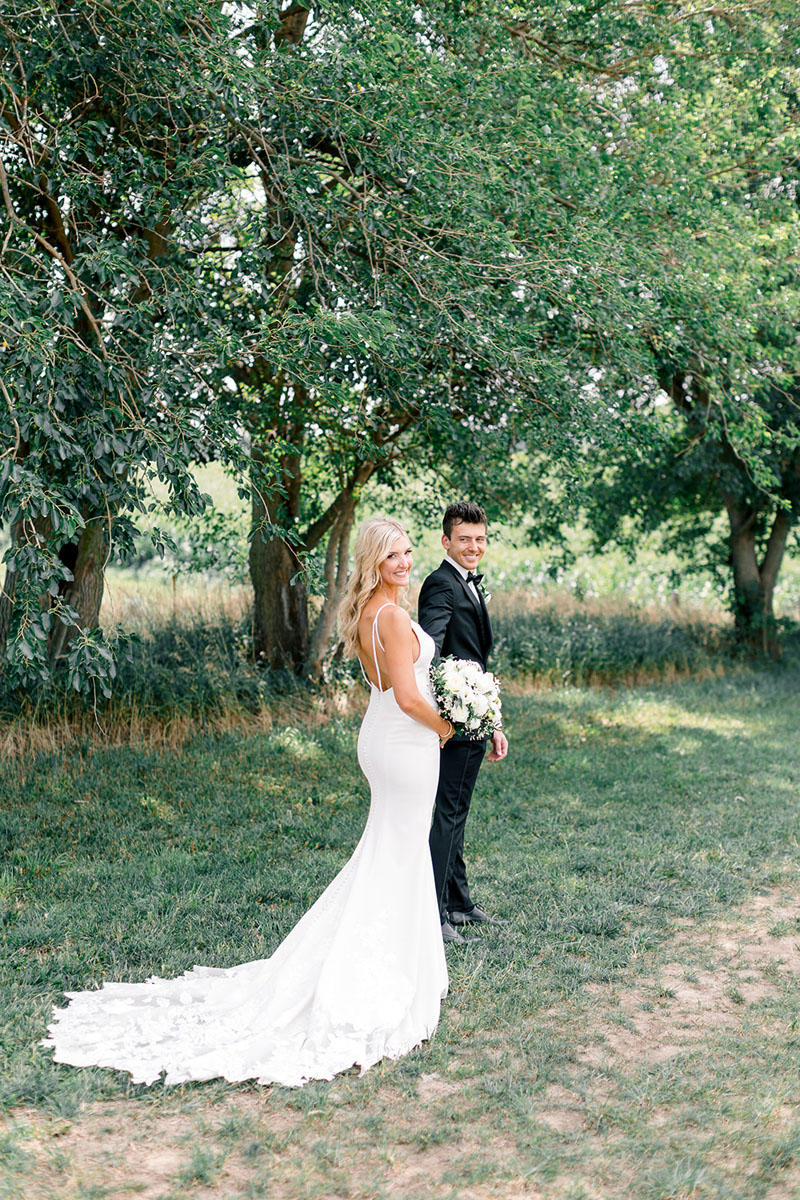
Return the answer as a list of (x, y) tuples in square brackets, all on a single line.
[(396, 567)]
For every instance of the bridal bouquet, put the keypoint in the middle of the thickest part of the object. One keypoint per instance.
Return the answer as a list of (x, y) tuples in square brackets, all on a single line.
[(467, 696)]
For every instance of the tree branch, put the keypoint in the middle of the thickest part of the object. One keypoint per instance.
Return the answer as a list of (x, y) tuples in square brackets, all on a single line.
[(317, 530), (51, 250)]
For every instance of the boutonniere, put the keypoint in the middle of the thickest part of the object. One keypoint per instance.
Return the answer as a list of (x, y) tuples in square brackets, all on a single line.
[(482, 589)]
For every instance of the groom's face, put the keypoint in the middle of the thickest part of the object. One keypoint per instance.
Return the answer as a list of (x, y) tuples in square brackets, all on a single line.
[(466, 544)]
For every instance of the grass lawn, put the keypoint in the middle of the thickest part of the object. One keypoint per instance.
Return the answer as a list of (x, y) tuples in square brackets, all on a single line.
[(631, 1033)]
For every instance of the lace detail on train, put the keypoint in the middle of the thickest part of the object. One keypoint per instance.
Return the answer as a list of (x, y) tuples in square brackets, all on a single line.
[(358, 979)]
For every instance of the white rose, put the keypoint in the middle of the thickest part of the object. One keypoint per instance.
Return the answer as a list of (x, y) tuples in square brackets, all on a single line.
[(480, 706), (459, 712), (474, 723)]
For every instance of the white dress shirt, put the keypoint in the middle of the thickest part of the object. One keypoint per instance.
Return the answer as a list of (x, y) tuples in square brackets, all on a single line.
[(463, 572)]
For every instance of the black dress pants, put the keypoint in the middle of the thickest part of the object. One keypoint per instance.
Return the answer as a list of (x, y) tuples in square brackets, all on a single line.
[(458, 771)]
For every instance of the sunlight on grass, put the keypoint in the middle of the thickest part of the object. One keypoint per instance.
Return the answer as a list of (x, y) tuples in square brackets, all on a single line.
[(141, 602), (297, 744), (621, 828), (653, 714)]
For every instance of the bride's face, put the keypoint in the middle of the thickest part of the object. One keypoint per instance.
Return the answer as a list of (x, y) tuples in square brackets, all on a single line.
[(396, 567)]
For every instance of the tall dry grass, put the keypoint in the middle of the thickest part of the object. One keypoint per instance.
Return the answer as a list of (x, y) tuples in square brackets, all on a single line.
[(187, 666)]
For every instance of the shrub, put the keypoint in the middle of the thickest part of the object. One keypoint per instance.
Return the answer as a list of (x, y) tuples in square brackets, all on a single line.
[(560, 643)]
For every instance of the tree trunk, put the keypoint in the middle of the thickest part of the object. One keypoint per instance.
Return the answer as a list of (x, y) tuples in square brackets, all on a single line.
[(770, 566), (339, 518), (292, 24), (280, 618), (6, 605), (336, 562), (754, 583), (280, 604), (84, 592), (86, 560)]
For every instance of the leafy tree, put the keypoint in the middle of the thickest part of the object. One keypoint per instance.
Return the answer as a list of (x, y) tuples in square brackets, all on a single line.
[(374, 265), (195, 194), (377, 243), (417, 176), (113, 139), (709, 425)]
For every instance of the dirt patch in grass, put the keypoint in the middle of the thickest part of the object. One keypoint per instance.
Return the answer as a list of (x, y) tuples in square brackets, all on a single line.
[(720, 974), (719, 991), (562, 1110), (147, 1150), (243, 1145), (438, 1135)]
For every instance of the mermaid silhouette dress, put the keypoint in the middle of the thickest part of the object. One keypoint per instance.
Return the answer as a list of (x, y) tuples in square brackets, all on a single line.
[(359, 978)]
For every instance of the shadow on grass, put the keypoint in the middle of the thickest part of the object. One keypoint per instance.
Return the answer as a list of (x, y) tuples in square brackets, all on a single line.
[(616, 814)]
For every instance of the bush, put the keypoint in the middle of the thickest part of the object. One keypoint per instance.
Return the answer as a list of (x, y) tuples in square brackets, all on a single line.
[(199, 668), (195, 668), (595, 645)]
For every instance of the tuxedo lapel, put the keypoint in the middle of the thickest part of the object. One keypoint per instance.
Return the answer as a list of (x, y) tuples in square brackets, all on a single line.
[(477, 602), (487, 624), (473, 599)]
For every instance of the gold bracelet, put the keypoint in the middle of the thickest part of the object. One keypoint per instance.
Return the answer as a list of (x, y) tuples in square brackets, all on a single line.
[(446, 736)]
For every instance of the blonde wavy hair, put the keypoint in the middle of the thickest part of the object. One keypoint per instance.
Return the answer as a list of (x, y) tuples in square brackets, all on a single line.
[(374, 540)]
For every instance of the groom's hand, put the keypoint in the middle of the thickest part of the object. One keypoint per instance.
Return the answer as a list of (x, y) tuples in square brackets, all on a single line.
[(499, 746)]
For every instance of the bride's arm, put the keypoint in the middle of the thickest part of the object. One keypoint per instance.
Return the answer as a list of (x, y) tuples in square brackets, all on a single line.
[(394, 626)]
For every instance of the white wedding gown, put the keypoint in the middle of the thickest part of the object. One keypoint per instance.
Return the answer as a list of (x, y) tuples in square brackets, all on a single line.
[(358, 979)]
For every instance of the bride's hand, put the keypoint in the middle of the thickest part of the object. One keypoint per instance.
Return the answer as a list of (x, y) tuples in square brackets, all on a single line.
[(445, 737)]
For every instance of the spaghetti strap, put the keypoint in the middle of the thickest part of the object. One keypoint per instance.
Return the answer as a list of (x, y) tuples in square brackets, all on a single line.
[(367, 679), (375, 630), (376, 634)]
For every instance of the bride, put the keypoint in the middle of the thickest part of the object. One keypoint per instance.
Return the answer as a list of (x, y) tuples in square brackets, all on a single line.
[(362, 974)]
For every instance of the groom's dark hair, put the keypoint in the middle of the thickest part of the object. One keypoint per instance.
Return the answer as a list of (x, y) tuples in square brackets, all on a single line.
[(462, 513)]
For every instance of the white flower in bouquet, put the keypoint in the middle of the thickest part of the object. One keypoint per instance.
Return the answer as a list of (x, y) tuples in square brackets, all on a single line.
[(467, 696)]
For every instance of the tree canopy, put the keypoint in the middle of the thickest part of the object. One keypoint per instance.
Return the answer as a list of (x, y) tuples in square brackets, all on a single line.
[(333, 245), (713, 258), (109, 156)]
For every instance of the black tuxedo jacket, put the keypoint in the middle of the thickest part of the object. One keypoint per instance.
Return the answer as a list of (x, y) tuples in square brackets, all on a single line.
[(457, 621)]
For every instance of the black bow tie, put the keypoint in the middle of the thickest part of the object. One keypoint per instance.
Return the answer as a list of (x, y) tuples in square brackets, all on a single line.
[(473, 578)]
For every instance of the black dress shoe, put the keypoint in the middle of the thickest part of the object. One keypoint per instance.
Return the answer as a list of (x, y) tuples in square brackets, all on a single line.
[(475, 916), (449, 934)]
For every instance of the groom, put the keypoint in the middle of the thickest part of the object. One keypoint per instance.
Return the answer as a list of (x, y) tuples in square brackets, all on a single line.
[(453, 611)]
